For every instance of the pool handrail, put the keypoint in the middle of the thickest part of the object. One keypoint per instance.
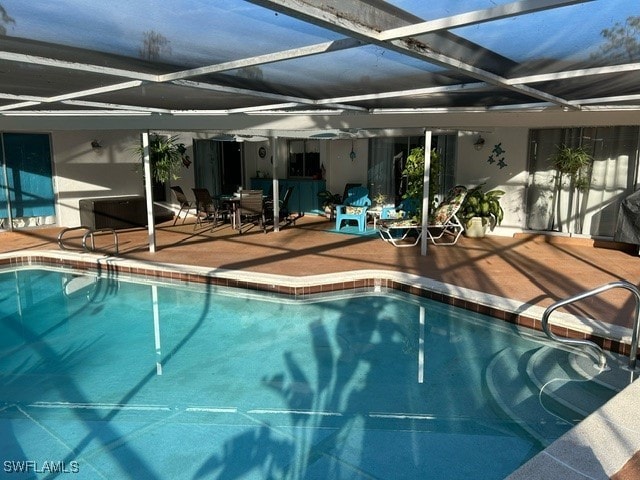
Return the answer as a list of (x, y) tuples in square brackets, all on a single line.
[(91, 233), (66, 230), (602, 360)]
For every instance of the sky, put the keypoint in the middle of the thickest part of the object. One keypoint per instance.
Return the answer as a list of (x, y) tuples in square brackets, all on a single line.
[(205, 31)]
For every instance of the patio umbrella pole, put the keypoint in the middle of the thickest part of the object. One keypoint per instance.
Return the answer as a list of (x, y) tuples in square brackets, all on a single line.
[(146, 161), (425, 195)]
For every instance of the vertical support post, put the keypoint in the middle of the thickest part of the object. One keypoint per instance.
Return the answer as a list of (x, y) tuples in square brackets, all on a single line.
[(276, 184), (146, 161), (425, 196)]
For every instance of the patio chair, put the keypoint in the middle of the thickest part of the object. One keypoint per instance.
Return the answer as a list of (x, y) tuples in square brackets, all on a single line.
[(184, 202), (406, 208), (348, 187), (207, 209), (284, 214), (250, 209), (444, 220), (354, 208)]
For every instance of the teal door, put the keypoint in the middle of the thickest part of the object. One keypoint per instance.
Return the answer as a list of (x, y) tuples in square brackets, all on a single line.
[(26, 176)]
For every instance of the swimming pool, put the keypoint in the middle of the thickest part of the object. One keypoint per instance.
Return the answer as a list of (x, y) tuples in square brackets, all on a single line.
[(105, 378)]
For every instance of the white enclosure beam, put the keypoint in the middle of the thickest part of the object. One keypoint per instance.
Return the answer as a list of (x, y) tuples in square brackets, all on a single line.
[(276, 184), (334, 20), (475, 17), (425, 196), (300, 52), (148, 188)]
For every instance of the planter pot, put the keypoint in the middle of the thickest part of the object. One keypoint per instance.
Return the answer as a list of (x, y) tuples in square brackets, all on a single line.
[(476, 227)]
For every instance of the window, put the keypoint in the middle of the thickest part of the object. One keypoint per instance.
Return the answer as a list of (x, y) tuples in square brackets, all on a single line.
[(304, 158)]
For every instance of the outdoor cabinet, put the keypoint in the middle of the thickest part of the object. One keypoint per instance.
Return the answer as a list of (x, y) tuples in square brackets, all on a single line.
[(304, 198), (113, 212)]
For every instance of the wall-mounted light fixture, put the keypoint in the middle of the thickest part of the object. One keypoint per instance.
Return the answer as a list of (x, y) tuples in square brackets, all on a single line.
[(95, 144), (479, 143)]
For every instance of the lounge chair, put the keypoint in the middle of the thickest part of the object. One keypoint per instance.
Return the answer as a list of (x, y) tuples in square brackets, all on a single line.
[(184, 202), (398, 225), (406, 208), (354, 208), (444, 220)]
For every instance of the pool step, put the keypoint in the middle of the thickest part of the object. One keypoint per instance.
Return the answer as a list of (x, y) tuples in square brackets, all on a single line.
[(570, 383), (517, 397), (548, 390)]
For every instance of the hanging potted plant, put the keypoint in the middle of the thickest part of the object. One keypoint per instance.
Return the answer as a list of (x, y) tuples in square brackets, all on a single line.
[(481, 211), (574, 164)]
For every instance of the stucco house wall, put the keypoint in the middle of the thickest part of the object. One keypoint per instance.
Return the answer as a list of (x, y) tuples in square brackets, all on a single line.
[(81, 171), (500, 164)]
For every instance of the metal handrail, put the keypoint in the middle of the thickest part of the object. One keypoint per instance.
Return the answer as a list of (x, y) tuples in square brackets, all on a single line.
[(66, 230), (91, 234), (589, 293)]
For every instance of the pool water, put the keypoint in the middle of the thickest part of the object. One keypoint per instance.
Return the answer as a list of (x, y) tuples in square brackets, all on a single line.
[(114, 379)]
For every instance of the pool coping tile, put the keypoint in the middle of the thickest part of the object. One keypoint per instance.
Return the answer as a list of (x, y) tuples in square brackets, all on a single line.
[(618, 339)]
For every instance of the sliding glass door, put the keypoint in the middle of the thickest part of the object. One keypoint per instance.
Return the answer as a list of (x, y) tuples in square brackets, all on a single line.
[(553, 206)]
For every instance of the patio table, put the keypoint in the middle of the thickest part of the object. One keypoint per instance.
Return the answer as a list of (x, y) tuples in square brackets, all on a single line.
[(374, 214), (396, 231), (233, 200)]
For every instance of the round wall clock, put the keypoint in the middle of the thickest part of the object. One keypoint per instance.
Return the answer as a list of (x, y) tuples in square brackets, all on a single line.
[(262, 152)]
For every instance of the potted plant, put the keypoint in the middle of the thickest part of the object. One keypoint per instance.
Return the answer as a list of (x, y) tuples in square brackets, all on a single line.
[(167, 156), (574, 164), (380, 200), (480, 211), (414, 173), (329, 201)]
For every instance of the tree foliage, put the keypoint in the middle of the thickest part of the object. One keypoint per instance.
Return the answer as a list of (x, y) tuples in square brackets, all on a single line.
[(5, 20), (622, 43), (153, 44)]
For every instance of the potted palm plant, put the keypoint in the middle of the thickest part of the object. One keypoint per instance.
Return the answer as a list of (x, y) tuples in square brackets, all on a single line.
[(481, 211), (167, 156)]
